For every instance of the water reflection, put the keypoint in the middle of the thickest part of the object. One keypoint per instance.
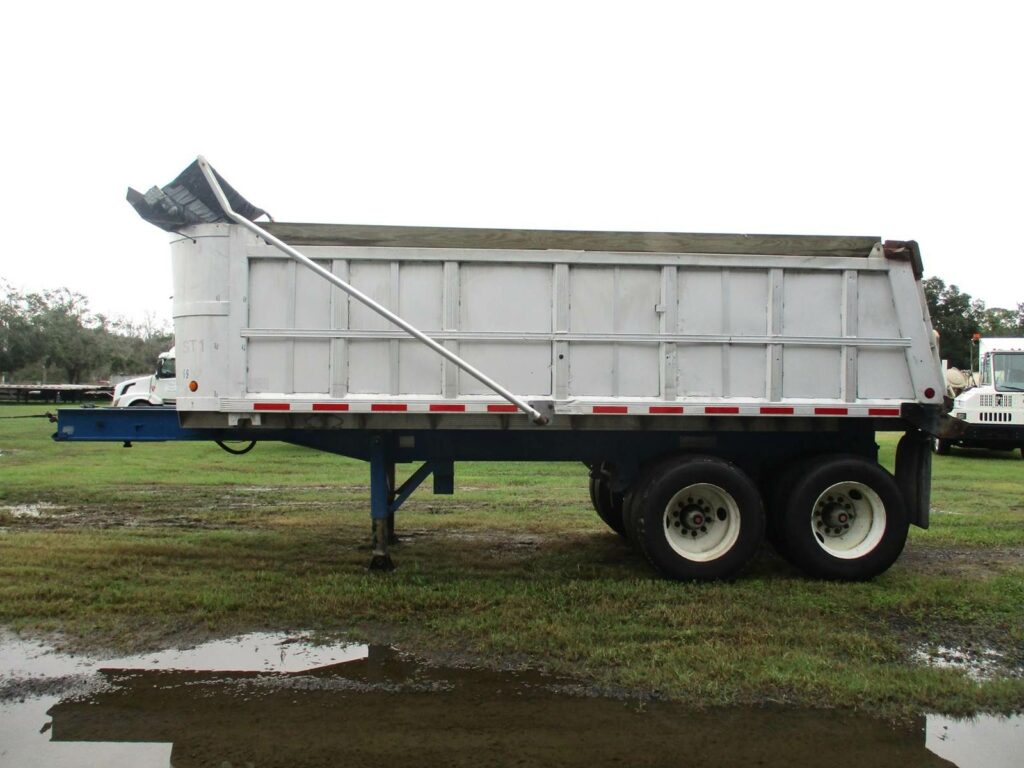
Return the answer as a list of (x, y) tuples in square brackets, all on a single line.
[(987, 741), (353, 705)]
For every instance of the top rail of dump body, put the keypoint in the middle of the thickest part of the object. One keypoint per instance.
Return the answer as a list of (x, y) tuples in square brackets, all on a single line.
[(378, 236)]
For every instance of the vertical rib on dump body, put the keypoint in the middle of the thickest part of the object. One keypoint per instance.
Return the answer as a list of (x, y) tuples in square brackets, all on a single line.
[(591, 324)]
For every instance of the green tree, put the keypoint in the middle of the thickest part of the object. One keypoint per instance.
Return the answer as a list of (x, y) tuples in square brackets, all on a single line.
[(67, 342), (1003, 322), (956, 316), (19, 339), (52, 335)]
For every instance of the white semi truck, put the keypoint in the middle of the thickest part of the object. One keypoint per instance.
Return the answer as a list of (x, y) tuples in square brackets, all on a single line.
[(158, 388), (994, 410), (717, 386)]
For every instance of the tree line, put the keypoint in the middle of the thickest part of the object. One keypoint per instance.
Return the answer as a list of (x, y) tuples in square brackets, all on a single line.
[(958, 317), (53, 337)]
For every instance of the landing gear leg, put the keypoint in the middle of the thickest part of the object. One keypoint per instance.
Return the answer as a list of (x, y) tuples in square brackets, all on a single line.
[(392, 493), (382, 472)]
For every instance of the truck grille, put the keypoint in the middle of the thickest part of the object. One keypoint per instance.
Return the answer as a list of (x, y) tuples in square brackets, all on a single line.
[(996, 401), (996, 417)]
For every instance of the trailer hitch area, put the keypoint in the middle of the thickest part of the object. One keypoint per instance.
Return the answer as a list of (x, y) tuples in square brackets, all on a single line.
[(933, 420), (950, 427)]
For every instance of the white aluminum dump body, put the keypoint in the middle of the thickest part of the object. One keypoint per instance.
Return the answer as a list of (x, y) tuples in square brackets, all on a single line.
[(600, 324)]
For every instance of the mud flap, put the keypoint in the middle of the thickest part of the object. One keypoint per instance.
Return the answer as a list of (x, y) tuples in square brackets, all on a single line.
[(914, 475)]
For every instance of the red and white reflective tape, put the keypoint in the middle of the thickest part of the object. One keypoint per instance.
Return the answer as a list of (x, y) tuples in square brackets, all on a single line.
[(859, 410)]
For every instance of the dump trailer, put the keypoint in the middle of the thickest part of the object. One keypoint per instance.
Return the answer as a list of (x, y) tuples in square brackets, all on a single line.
[(720, 388)]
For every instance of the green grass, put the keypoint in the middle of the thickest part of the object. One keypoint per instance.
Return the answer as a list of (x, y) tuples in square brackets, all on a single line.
[(157, 543)]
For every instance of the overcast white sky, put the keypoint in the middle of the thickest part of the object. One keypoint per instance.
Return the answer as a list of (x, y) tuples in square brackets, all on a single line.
[(902, 120)]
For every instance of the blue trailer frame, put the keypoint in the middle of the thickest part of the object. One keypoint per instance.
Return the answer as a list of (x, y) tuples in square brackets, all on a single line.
[(752, 444)]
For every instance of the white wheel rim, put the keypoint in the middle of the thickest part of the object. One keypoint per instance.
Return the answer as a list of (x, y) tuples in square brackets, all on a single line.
[(848, 520), (702, 522)]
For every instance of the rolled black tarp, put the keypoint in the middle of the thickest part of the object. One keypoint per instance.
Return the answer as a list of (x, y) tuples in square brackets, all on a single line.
[(189, 200)]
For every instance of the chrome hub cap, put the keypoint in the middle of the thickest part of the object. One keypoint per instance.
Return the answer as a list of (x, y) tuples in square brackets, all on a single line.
[(702, 522), (848, 520)]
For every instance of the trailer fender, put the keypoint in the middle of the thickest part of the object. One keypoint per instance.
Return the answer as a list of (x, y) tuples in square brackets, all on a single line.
[(914, 475)]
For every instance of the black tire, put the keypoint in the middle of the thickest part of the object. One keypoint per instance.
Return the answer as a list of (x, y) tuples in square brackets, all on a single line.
[(698, 517), (629, 519), (940, 446), (139, 404), (775, 512), (607, 504), (844, 519), (629, 508)]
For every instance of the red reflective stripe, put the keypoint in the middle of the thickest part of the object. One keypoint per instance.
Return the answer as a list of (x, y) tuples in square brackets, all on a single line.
[(271, 407), (330, 406), (721, 409), (389, 407), (776, 410), (447, 408), (610, 409), (831, 411), (501, 409), (665, 409), (883, 411)]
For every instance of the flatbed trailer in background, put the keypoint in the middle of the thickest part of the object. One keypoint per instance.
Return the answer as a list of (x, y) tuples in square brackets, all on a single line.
[(53, 393), (716, 385)]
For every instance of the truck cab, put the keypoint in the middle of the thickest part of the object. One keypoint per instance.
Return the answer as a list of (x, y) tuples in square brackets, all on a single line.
[(158, 388), (995, 408)]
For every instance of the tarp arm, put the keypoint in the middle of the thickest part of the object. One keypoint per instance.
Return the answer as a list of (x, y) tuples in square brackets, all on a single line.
[(361, 297)]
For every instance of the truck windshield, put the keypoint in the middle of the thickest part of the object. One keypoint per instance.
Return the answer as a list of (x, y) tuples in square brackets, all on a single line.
[(165, 368), (1008, 372)]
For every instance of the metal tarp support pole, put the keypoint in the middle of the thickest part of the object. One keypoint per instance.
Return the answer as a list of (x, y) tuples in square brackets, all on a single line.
[(361, 297)]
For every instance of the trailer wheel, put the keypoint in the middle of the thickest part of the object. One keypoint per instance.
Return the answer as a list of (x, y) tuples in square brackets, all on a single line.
[(844, 519), (698, 518), (607, 504), (940, 446)]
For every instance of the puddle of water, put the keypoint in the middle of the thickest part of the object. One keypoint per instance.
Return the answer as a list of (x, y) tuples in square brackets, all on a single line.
[(32, 510), (254, 652), (982, 664), (276, 700), (21, 744), (987, 740)]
